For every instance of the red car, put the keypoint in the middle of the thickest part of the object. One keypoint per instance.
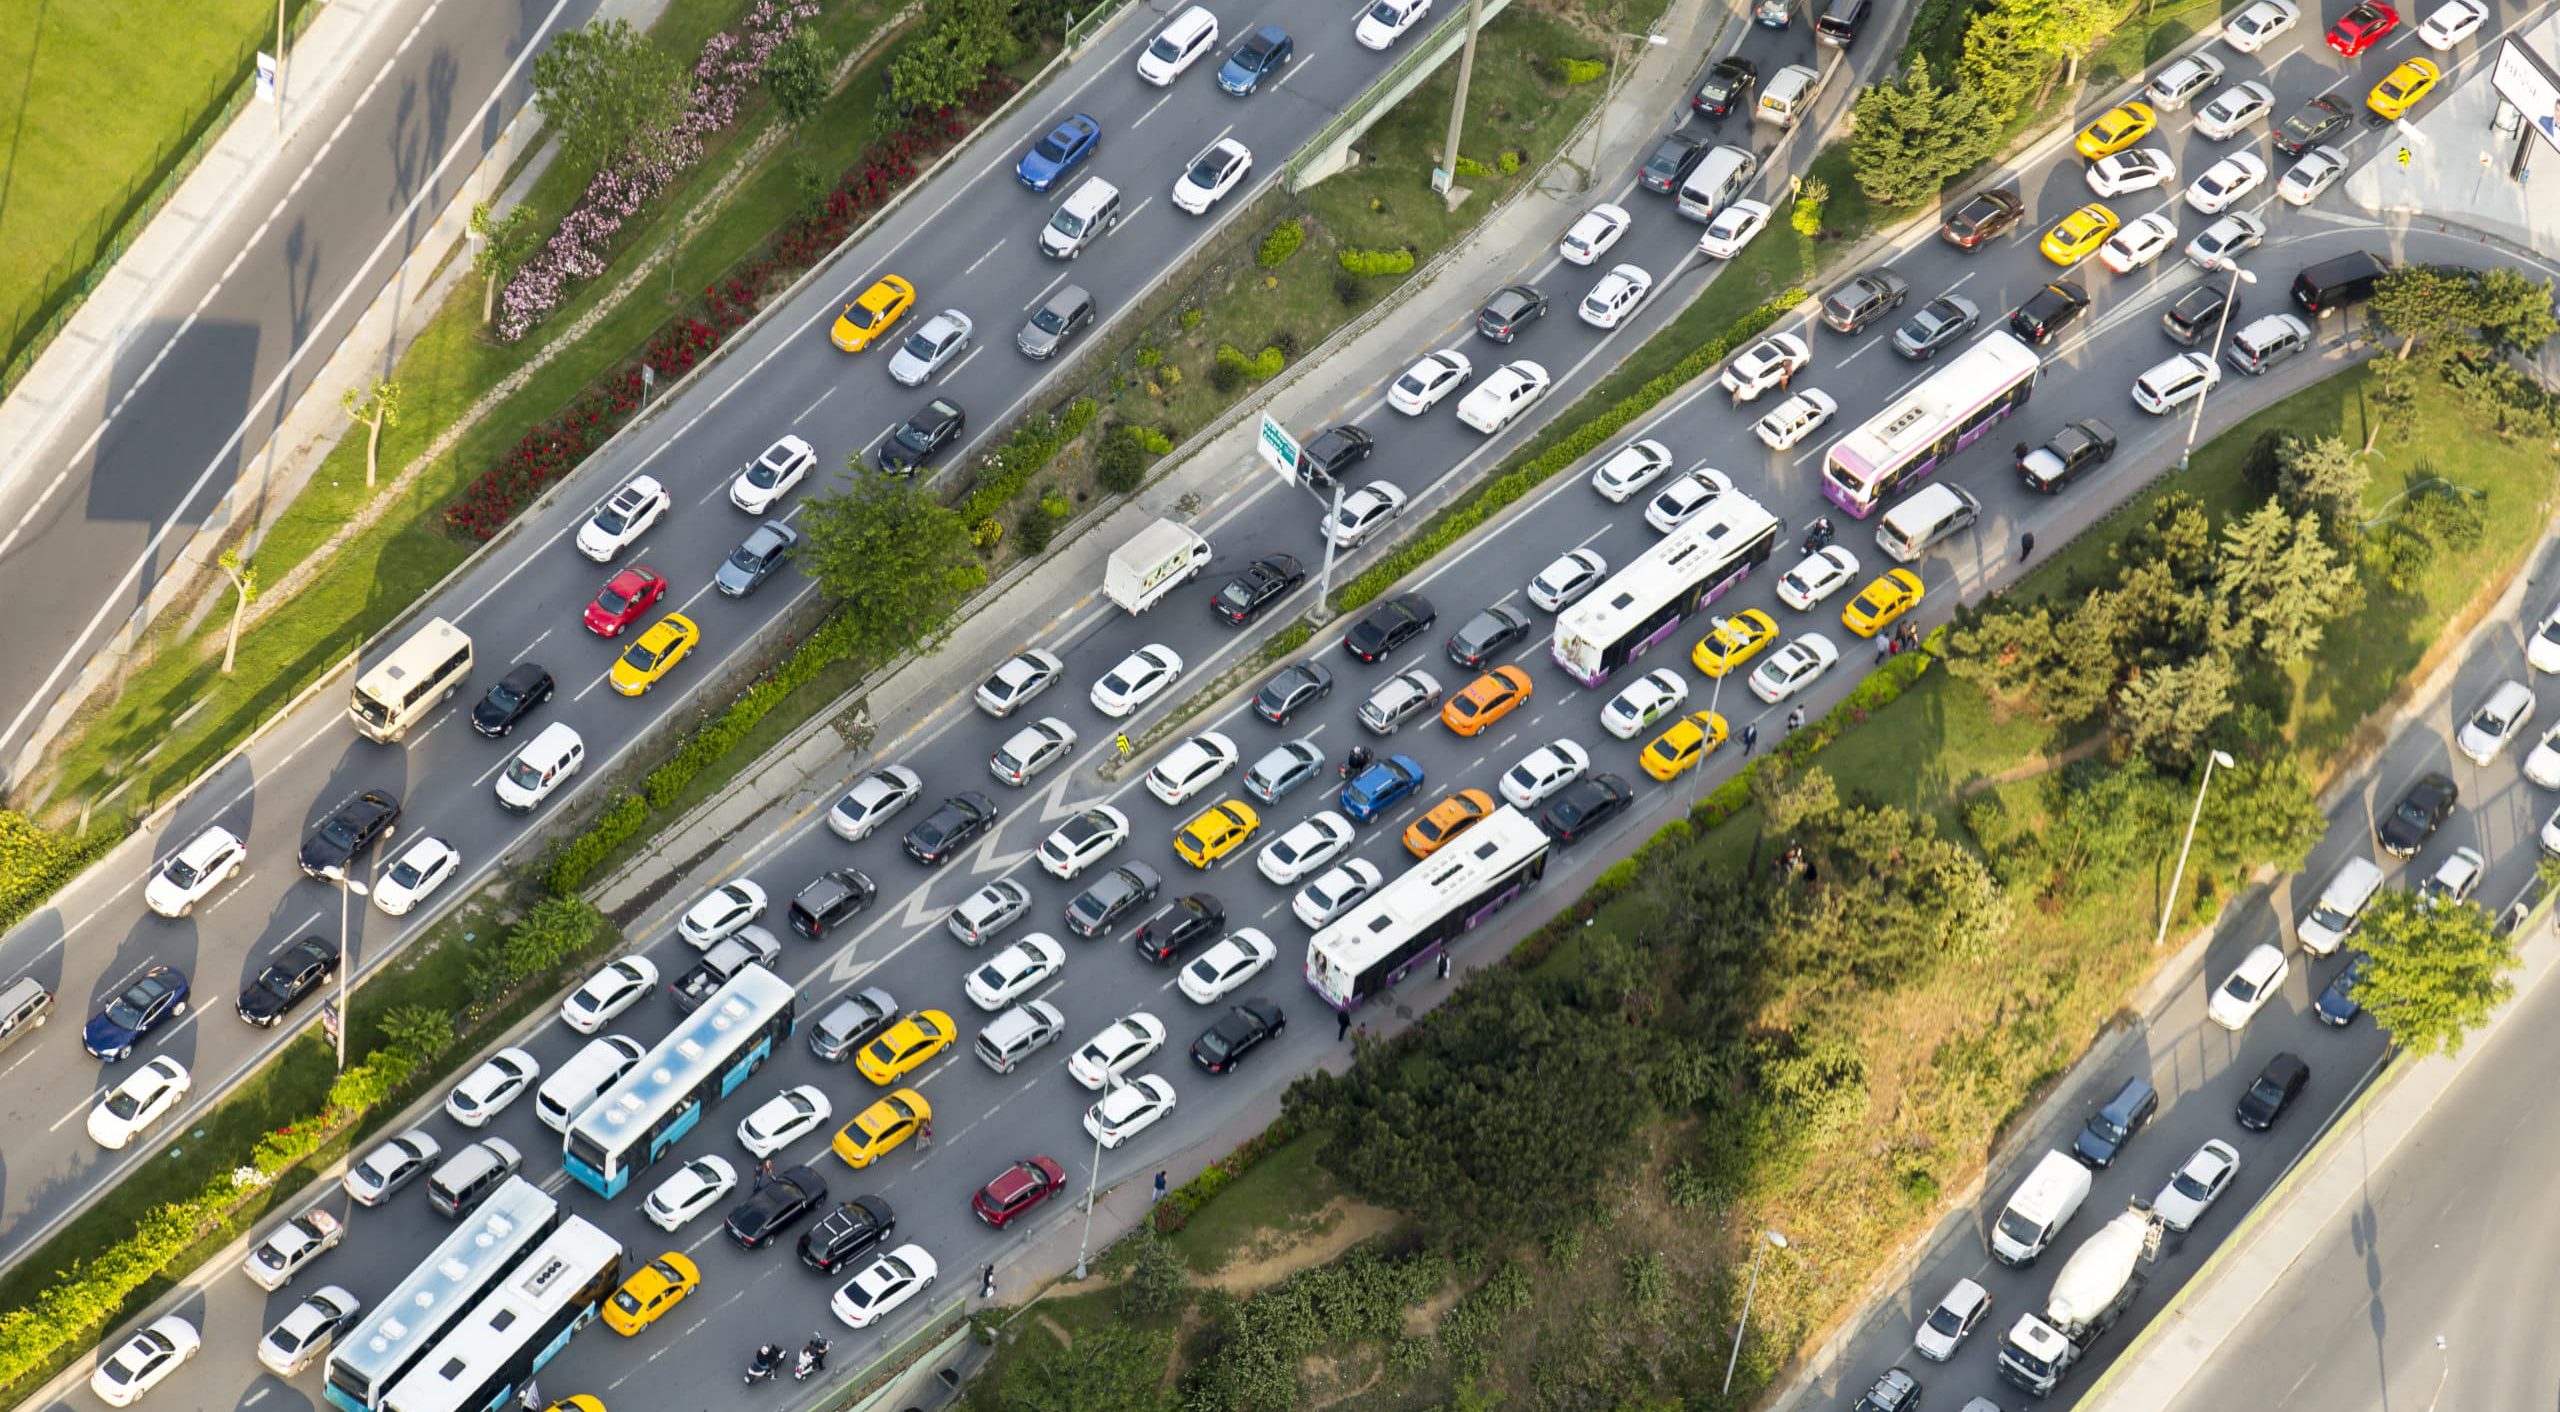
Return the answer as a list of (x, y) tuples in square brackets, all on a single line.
[(626, 597), (1017, 1189), (2360, 28)]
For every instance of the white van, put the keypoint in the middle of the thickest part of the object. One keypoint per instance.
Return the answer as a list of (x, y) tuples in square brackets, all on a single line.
[(583, 1080), (1910, 529), (1019, 1032), (2262, 343), (471, 1174), (2333, 918), (540, 767), (2038, 1210), (1719, 178), (2173, 384), (1087, 215), (1788, 95)]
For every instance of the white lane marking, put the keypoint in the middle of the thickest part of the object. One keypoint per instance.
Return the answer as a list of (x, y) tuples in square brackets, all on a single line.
[(1141, 120), (805, 411), (991, 254), (954, 370), (1036, 301)]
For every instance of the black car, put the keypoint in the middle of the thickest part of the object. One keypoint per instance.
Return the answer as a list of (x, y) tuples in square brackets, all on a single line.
[(846, 1232), (1837, 25), (1480, 637), (950, 826), (1332, 451), (1983, 216), (1223, 1045), (2338, 1005), (909, 446), (1190, 921), (2272, 1092), (1293, 686), (1672, 160), (2205, 307), (2077, 447), (2048, 310), (1894, 1390), (1864, 298), (1940, 323), (1099, 908), (525, 686), (2415, 819), (767, 548), (1726, 86), (1389, 626), (286, 981), (1585, 805), (1511, 309), (1262, 583), (785, 1198), (350, 829), (2103, 1137), (829, 901), (2317, 120)]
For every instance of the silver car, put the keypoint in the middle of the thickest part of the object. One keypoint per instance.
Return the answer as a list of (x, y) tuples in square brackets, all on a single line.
[(932, 348), (1400, 698), (851, 1023), (988, 911), (1283, 768), (1058, 320), (872, 800), (396, 1163), (1023, 676), (767, 549)]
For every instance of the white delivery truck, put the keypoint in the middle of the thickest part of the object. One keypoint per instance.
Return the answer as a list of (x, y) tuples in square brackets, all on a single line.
[(1157, 560), (2096, 1286), (2038, 1210)]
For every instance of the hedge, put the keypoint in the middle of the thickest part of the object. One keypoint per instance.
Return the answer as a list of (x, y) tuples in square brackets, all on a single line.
[(1573, 73), (36, 861), (1033, 445), (1370, 263), (1280, 244)]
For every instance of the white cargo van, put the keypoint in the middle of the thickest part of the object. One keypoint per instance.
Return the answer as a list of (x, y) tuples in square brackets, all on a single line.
[(2333, 918), (2038, 1210), (1912, 528), (1716, 182)]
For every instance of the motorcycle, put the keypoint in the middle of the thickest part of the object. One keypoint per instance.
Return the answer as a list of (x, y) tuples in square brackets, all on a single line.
[(766, 1363), (813, 1358), (1360, 759), (1818, 537)]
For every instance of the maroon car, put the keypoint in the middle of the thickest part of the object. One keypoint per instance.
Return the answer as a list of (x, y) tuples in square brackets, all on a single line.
[(1017, 1189)]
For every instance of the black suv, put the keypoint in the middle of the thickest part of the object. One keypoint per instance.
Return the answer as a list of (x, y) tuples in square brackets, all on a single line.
[(1981, 218), (1837, 25), (1510, 310), (1191, 921), (1223, 1045), (949, 827), (2078, 446), (525, 686), (909, 446), (1295, 685), (2048, 311), (1864, 298), (299, 969), (1389, 626), (350, 829), (830, 901), (2199, 311), (1099, 908), (1332, 451), (2103, 1137), (2417, 816), (1727, 86), (845, 1232), (2272, 1092), (786, 1196), (1488, 632), (1672, 161), (1585, 804), (1257, 586)]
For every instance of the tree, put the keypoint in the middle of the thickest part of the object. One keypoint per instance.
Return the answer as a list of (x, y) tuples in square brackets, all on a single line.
[(376, 407), (1113, 1367), (2167, 710), (1908, 138), (607, 91), (2008, 43), (940, 68), (2280, 574), (500, 244), (894, 550), (2261, 811), (2515, 313), (2322, 477), (244, 591), (2392, 388), (800, 73), (2421, 302), (2433, 973)]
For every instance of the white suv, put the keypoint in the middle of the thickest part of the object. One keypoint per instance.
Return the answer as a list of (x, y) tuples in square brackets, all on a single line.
[(193, 872)]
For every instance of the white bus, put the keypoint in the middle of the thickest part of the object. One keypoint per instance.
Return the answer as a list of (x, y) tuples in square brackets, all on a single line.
[(1946, 412), (1410, 919), (418, 675), (403, 1326), (700, 1062), (518, 1327), (1684, 571)]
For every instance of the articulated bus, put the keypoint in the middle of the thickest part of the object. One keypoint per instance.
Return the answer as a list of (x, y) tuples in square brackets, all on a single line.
[(404, 1324), (519, 1327), (1946, 412), (418, 675), (700, 1062), (1642, 603), (1410, 919)]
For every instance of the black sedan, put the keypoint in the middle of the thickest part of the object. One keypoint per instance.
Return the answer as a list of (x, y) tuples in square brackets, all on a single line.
[(1941, 322), (2272, 1092), (1585, 805), (949, 827), (525, 686), (1726, 85), (1293, 686), (1510, 311), (1262, 583), (2315, 122), (913, 444), (1191, 921), (1223, 1045), (830, 901), (350, 829), (846, 1232), (1389, 626), (299, 969), (2415, 819), (1487, 633), (2338, 1005), (785, 1198), (1332, 451), (1099, 908), (1670, 163)]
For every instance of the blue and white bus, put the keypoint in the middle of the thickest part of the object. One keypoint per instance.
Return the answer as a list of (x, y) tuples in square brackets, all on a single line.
[(405, 1324), (521, 1325), (1410, 919), (1683, 572), (702, 1061)]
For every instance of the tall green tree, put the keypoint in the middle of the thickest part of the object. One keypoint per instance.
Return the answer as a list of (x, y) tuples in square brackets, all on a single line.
[(1909, 137), (894, 553), (2424, 304), (2515, 311), (2435, 973), (799, 74), (2013, 46), (2323, 477), (940, 66), (2166, 712), (2282, 577), (606, 89)]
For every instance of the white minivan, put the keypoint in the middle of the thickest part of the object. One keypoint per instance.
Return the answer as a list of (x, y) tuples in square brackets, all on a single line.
[(1931, 514), (2333, 918), (2038, 1210), (540, 767), (583, 1079)]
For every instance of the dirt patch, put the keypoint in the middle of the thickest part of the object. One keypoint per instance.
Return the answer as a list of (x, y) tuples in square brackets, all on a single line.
[(1056, 1330), (1423, 1320), (1335, 1227)]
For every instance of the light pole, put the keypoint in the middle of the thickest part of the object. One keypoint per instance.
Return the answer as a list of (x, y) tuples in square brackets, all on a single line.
[(1758, 1248), (2213, 354), (349, 887), (1324, 580), (1620, 64), (1093, 1184), (2219, 757), (1445, 176)]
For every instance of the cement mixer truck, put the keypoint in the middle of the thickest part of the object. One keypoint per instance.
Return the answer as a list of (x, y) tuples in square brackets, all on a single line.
[(2096, 1286)]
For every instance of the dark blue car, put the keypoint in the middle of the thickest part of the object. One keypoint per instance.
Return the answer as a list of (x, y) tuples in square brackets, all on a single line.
[(1265, 51), (1061, 152), (2338, 1005), (150, 1002), (1378, 787)]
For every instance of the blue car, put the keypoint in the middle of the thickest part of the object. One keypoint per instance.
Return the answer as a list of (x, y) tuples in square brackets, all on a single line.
[(1265, 51), (1061, 152), (150, 1002), (2338, 1004), (1378, 787)]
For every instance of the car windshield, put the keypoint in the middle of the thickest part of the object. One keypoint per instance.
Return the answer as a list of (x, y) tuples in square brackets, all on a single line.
[(2019, 1229), (2107, 1128), (1067, 223), (921, 344), (861, 316), (1236, 595), (2187, 1186), (641, 657), (1165, 49), (611, 520), (2408, 812), (522, 774), (745, 557), (182, 873), (2266, 1092), (1215, 1043), (1055, 146), (1206, 171), (1050, 319), (1385, 12), (123, 1103), (1946, 1321), (914, 438), (340, 831), (407, 874)]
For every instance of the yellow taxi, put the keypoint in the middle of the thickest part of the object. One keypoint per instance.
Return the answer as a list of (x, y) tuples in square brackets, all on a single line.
[(1879, 603), (908, 1046), (2076, 236), (1736, 640), (2401, 89), (871, 314), (1685, 744), (1486, 700), (1448, 819), (660, 1286), (880, 1129), (655, 654), (1218, 832), (2116, 129), (577, 1402)]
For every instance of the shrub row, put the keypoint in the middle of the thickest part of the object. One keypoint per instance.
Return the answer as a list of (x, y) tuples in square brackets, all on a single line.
[(1033, 445), (1280, 244), (1573, 73), (1178, 1206), (1368, 263), (35, 861)]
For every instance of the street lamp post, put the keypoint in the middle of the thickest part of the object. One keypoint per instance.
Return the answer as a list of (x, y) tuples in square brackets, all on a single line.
[(2213, 352), (1620, 65), (1446, 177), (1758, 1248), (349, 887), (1093, 1184), (2178, 875)]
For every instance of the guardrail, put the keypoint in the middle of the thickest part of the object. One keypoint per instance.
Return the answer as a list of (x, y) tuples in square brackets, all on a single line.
[(881, 1371), (1384, 93), (1082, 29)]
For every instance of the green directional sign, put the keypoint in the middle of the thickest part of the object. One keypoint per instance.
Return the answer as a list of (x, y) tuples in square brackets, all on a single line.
[(1278, 447)]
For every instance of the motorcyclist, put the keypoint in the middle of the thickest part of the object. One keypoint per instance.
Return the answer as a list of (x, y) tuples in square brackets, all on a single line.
[(1358, 760), (767, 1362), (1819, 535)]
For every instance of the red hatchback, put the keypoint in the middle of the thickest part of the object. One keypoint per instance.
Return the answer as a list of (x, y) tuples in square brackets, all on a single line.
[(2360, 28), (625, 598), (1017, 1189)]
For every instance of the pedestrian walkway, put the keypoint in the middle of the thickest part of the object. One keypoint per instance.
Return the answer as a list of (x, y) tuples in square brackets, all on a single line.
[(2451, 161)]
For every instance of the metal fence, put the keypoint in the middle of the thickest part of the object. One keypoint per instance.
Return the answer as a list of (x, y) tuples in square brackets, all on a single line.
[(1080, 30), (893, 1360)]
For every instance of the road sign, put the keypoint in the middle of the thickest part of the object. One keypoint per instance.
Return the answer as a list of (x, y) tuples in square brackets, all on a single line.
[(2404, 156), (1279, 448), (266, 78)]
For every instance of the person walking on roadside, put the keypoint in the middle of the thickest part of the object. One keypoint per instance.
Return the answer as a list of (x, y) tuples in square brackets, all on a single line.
[(1341, 1026), (764, 1174), (924, 1137), (1750, 737), (987, 1283), (1160, 1185), (2026, 545)]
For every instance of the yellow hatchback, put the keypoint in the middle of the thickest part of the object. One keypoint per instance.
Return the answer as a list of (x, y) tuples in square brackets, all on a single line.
[(660, 1286), (655, 654), (1217, 833), (908, 1046), (882, 1128), (2401, 89), (1686, 743), (1879, 603), (870, 315), (2117, 129), (1736, 640), (2076, 236), (578, 1402)]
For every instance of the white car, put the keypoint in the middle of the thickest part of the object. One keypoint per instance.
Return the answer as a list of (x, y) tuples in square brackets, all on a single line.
[(485, 1092), (1364, 512), (1385, 22), (608, 993), (2197, 1185), (2454, 879), (2184, 79), (2451, 23), (1542, 772), (1765, 365), (1028, 751), (1674, 504), (932, 348), (387, 1168), (2140, 242), (1344, 886), (784, 1119), (1592, 235), (2186, 376), (1192, 766), (1505, 393), (2226, 181), (1615, 296), (1219, 169), (272, 1263), (145, 1097), (1128, 1109), (771, 476), (2317, 171), (1795, 419), (1561, 583), (2123, 173), (2542, 650), (1435, 376), (872, 800), (1237, 957), (1137, 679), (2224, 240), (1816, 576), (1308, 845), (2542, 763), (624, 516), (1733, 228), (690, 1191), (984, 915), (2498, 722), (2250, 986), (1015, 971), (144, 1361), (2550, 836), (421, 868), (1629, 469), (1080, 842), (1793, 667), (1023, 676), (1954, 1320), (2233, 109), (192, 873), (1178, 46), (721, 912), (1642, 702), (310, 1330), (890, 1281), (2252, 29), (1123, 1046)]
